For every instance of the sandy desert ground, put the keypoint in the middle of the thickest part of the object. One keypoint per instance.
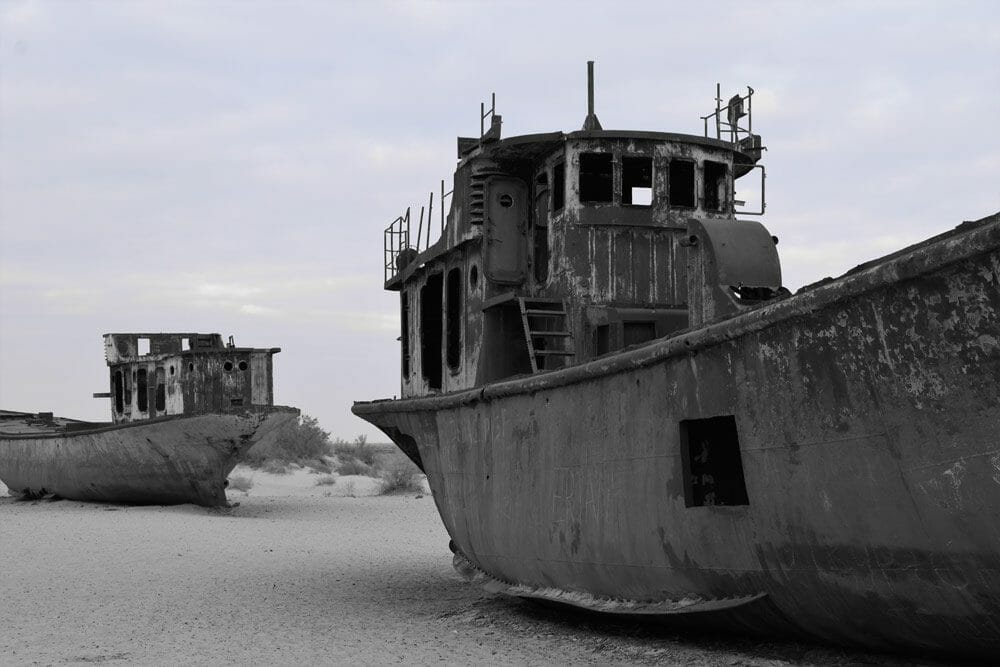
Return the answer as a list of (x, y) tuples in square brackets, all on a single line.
[(297, 574)]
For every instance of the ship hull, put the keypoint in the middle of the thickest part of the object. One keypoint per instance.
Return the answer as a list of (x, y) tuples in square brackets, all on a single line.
[(162, 461), (868, 418)]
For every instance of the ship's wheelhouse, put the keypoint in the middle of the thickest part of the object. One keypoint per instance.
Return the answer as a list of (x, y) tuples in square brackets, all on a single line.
[(161, 374), (556, 249)]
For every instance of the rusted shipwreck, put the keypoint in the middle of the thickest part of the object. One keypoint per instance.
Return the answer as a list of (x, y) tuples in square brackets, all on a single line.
[(184, 406), (619, 407)]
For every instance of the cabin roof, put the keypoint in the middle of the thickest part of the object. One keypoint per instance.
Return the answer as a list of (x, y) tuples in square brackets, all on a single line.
[(533, 146)]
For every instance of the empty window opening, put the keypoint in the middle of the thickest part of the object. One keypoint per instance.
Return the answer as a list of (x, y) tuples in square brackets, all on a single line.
[(172, 370), (602, 339), (243, 366), (119, 392), (454, 318), (637, 181), (430, 329), (191, 366), (559, 186), (142, 346), (235, 401), (404, 332), (474, 276), (713, 470), (161, 390), (714, 174), (142, 389), (596, 177), (634, 333), (682, 183), (185, 344)]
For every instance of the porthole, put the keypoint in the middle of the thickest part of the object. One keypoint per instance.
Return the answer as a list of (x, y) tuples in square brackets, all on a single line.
[(228, 366), (243, 365), (474, 276), (506, 200)]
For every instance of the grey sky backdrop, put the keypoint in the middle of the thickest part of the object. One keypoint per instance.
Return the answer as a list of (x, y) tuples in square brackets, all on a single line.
[(230, 166)]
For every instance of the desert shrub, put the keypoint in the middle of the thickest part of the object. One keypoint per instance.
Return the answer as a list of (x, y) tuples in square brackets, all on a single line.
[(240, 483), (401, 476), (326, 480), (355, 458), (302, 441)]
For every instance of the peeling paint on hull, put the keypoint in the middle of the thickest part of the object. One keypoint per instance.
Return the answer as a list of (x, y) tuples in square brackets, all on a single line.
[(162, 461), (868, 413)]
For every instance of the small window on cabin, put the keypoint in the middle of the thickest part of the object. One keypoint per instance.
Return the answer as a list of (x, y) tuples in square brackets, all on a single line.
[(596, 178), (142, 389), (713, 468), (119, 392), (634, 333), (161, 390), (714, 196), (185, 344), (637, 181), (142, 347), (602, 339), (453, 319), (404, 333), (681, 183), (558, 186)]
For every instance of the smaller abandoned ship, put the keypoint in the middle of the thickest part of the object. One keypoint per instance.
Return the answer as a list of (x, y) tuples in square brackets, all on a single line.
[(185, 407), (619, 407)]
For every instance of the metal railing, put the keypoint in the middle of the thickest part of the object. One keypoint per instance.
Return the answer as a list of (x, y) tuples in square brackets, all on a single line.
[(728, 128), (398, 252)]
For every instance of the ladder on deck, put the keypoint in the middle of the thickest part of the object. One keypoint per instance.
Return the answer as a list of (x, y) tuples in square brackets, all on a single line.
[(546, 331)]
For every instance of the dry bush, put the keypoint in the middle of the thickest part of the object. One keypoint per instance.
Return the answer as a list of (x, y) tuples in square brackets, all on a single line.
[(355, 458), (302, 442), (326, 480), (401, 476), (240, 483)]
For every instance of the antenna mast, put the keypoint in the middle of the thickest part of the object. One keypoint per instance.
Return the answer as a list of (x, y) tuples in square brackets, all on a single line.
[(591, 122)]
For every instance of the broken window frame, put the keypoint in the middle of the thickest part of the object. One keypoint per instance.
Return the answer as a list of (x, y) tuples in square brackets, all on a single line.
[(721, 182), (453, 319), (558, 186), (596, 186), (694, 183), (626, 188)]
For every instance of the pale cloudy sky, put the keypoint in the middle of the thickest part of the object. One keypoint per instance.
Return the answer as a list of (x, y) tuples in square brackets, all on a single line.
[(230, 166)]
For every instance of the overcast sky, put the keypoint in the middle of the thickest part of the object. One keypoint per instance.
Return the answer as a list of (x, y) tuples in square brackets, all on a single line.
[(230, 166)]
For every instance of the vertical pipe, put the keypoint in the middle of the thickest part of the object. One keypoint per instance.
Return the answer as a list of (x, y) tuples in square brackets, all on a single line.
[(442, 206), (590, 88), (718, 110), (430, 211), (420, 228), (482, 116)]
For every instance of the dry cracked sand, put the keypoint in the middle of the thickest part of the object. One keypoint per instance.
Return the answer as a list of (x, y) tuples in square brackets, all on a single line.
[(298, 574)]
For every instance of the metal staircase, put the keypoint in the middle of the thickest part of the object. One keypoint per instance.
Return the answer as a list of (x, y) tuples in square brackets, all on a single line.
[(546, 332)]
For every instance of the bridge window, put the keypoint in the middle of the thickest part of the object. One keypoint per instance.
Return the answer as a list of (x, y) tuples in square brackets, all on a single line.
[(715, 185), (119, 392), (430, 329), (454, 318), (142, 346), (602, 339), (558, 186), (404, 334), (596, 178), (713, 469), (681, 183), (161, 390), (142, 390), (637, 181)]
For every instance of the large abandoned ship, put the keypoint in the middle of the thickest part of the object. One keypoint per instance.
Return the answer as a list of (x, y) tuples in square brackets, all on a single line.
[(619, 407), (185, 407)]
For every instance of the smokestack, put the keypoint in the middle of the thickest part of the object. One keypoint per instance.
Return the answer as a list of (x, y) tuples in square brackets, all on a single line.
[(591, 122)]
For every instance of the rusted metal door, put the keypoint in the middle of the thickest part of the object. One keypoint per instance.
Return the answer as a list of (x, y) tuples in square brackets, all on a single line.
[(506, 229)]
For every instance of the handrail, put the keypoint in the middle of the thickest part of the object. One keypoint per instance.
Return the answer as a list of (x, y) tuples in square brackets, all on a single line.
[(734, 112)]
